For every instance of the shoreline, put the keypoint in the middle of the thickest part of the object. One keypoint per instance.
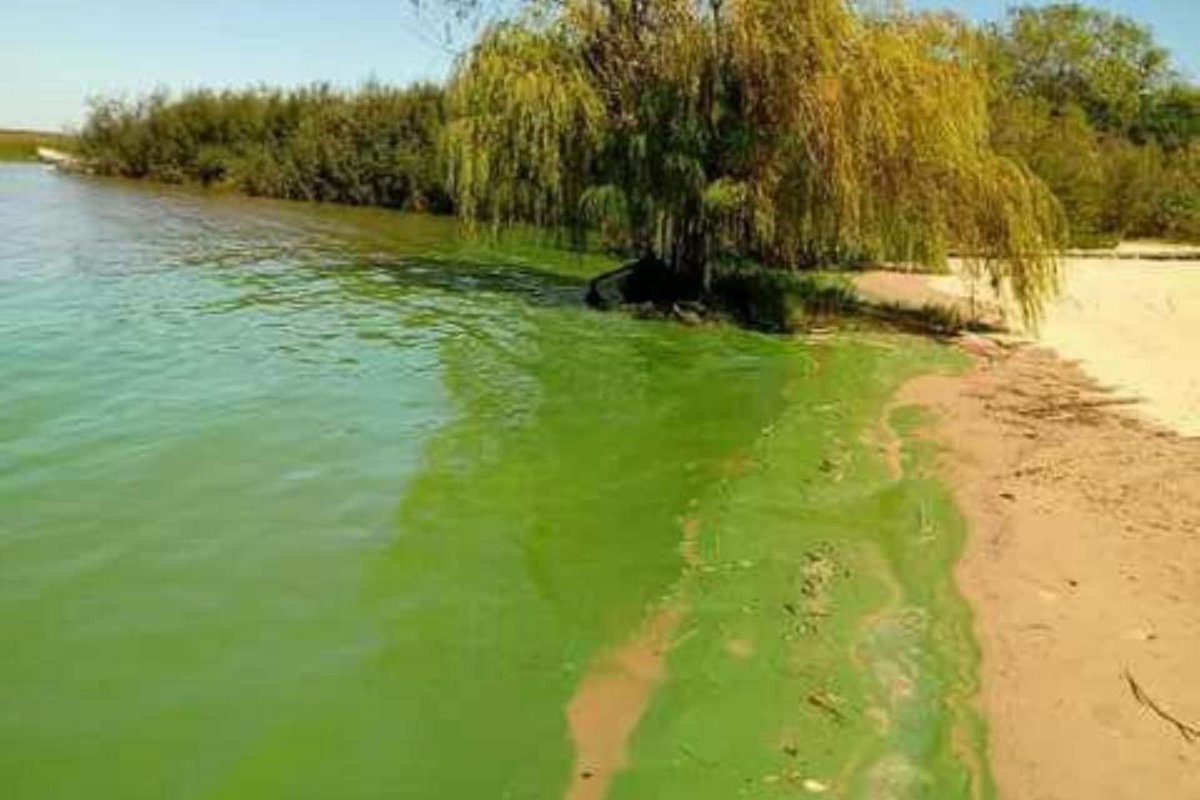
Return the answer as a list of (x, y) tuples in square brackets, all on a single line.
[(1082, 524)]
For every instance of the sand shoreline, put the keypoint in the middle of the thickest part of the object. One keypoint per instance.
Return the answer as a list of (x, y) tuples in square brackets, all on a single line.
[(1080, 568), (1067, 452)]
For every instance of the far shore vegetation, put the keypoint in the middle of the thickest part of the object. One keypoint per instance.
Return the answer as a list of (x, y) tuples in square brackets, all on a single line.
[(23, 145), (710, 139), (374, 146)]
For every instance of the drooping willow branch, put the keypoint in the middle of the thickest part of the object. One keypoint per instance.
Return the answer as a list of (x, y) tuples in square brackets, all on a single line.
[(794, 132)]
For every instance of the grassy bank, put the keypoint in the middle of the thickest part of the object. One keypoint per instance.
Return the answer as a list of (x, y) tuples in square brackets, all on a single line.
[(23, 145)]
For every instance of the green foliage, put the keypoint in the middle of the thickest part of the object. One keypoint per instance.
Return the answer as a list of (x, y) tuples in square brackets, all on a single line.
[(1090, 103), (1176, 203), (1061, 148), (1171, 117), (795, 132), (1069, 54), (776, 301), (525, 120), (375, 146)]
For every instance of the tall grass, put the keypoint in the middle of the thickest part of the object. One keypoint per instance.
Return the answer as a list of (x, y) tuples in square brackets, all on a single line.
[(23, 145)]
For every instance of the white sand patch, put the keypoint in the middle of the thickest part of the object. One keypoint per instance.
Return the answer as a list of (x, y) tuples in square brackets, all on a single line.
[(1151, 248), (1133, 325)]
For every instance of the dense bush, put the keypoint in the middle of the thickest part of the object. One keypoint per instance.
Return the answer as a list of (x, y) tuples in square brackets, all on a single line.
[(775, 301), (374, 146)]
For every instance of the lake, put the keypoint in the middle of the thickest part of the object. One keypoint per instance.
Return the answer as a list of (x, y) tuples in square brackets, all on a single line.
[(299, 502)]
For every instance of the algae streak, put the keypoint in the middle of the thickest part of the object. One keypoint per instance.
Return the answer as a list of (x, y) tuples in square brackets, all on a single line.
[(827, 650)]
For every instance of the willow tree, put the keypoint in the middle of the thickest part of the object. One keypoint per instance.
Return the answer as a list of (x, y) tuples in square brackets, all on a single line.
[(795, 132)]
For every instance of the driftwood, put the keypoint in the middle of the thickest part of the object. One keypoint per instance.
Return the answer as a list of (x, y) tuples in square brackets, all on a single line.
[(1190, 733), (828, 704)]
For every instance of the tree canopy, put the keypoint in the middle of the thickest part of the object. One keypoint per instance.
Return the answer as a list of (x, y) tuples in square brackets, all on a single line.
[(1091, 102), (1069, 54), (796, 132)]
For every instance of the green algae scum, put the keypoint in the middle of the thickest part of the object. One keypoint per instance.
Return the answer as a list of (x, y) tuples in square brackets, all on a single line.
[(304, 503)]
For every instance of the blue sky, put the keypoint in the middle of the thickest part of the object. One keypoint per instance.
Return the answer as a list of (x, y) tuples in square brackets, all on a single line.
[(54, 54)]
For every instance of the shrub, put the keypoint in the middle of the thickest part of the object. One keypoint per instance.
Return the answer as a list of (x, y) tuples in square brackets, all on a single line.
[(373, 146)]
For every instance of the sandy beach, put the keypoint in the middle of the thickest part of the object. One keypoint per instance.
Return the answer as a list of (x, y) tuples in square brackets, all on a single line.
[(1080, 568), (1084, 512)]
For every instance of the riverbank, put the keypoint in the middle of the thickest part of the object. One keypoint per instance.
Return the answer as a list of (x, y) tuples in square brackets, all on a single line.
[(1079, 567)]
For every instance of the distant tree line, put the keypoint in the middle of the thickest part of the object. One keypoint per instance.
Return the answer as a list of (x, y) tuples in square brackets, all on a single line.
[(1092, 104), (792, 132), (373, 146)]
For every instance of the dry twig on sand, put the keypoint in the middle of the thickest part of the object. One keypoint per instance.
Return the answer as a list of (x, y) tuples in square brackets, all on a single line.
[(1190, 733)]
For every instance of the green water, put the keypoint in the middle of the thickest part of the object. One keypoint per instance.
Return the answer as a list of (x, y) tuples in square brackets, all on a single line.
[(303, 503)]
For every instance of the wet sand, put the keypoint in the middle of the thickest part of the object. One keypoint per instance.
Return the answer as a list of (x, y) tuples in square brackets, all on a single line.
[(616, 691), (609, 704)]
